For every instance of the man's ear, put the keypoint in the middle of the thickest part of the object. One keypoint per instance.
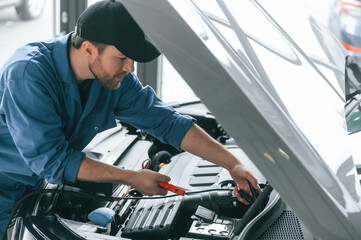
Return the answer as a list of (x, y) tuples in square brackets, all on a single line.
[(89, 50)]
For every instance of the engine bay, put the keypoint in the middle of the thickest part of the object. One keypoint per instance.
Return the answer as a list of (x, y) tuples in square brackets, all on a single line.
[(208, 210)]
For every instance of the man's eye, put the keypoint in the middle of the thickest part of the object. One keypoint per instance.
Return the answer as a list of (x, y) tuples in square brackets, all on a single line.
[(122, 59)]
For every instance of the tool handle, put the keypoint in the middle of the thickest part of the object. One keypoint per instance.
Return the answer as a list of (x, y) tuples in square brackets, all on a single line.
[(172, 188)]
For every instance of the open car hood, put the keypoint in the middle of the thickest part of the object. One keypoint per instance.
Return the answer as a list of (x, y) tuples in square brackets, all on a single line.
[(280, 96)]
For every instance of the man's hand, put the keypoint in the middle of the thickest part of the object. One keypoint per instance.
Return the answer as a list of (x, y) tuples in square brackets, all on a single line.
[(198, 142), (146, 181), (240, 175)]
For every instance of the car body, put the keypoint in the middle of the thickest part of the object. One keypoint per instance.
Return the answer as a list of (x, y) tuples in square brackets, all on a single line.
[(345, 22), (272, 94), (26, 9)]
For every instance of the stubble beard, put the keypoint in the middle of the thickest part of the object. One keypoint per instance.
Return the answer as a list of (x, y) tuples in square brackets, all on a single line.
[(102, 76)]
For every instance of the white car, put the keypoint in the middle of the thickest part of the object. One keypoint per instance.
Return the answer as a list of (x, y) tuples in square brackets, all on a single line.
[(275, 93)]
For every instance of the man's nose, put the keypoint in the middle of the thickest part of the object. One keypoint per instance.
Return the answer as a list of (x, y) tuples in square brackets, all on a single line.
[(128, 65)]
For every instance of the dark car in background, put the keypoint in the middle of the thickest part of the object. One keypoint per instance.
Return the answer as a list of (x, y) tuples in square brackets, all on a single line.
[(345, 22), (25, 9)]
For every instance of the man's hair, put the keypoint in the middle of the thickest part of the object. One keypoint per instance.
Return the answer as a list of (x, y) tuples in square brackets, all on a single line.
[(77, 41)]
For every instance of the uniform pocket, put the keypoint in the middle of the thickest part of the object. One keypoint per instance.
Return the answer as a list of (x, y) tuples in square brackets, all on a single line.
[(99, 122), (91, 125)]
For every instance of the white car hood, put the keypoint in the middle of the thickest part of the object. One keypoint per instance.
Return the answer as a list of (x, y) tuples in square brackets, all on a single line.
[(277, 87)]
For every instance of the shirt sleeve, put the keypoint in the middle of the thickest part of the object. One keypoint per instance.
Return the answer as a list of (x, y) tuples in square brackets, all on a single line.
[(36, 127), (140, 107)]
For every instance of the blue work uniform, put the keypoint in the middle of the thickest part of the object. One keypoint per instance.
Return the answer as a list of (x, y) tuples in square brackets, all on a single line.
[(44, 127)]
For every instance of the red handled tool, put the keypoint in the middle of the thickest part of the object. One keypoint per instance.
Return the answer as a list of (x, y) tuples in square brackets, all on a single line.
[(172, 188)]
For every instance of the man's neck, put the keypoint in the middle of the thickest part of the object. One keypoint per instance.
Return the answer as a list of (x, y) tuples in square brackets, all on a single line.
[(79, 65)]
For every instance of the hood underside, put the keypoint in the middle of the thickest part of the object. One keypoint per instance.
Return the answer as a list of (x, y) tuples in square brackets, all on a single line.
[(279, 96)]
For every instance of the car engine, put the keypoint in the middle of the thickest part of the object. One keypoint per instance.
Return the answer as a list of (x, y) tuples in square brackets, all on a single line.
[(208, 210)]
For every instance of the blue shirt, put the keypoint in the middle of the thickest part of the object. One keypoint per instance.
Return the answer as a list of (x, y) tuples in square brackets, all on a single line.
[(43, 126)]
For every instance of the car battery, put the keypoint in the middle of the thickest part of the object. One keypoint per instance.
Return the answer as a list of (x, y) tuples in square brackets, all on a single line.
[(207, 225)]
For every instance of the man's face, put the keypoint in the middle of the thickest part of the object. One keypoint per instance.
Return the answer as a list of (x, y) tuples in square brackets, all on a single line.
[(110, 67)]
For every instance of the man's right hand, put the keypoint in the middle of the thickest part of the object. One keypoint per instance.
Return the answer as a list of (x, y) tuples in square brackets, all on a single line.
[(146, 181)]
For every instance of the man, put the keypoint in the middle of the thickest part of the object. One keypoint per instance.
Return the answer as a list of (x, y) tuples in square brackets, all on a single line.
[(55, 96)]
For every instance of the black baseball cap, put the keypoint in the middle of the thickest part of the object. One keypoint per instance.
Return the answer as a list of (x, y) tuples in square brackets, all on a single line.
[(108, 22)]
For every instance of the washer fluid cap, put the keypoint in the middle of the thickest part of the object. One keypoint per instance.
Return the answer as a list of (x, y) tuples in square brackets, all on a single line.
[(101, 216)]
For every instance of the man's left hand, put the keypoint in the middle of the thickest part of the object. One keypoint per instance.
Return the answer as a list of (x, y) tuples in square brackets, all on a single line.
[(241, 175)]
